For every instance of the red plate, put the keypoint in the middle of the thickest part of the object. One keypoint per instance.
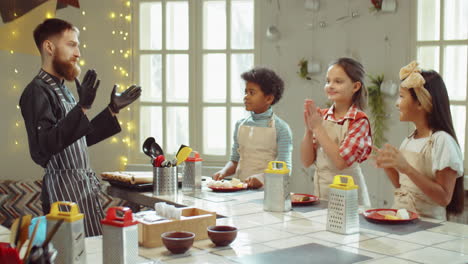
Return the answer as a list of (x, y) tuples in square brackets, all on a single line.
[(312, 199), (376, 216), (223, 189)]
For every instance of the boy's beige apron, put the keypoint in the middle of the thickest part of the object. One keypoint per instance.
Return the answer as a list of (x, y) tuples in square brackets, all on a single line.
[(325, 170), (257, 147), (409, 195)]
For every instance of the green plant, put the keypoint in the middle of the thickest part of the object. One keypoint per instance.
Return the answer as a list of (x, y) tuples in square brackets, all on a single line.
[(303, 73), (377, 105)]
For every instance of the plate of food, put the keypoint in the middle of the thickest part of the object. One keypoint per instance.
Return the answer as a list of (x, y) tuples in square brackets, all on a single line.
[(390, 216), (303, 199), (233, 185)]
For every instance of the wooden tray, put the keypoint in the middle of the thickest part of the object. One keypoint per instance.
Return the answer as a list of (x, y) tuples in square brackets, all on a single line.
[(194, 220)]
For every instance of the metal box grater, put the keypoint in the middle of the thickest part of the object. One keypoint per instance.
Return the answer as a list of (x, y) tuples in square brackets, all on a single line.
[(69, 239), (343, 206), (192, 173), (119, 237), (277, 197)]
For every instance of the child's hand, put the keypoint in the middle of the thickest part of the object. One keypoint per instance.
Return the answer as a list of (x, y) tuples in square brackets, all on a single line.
[(219, 175), (254, 182), (390, 157), (312, 115)]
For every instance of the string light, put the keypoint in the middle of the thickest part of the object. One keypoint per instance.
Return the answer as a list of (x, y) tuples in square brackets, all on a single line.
[(84, 46), (82, 62), (83, 13), (11, 52), (16, 70), (112, 15)]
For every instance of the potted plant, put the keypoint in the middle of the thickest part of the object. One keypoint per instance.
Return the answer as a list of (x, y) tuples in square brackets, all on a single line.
[(377, 105)]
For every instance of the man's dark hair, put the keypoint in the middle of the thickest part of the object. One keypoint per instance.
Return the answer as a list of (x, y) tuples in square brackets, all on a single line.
[(268, 80), (49, 28)]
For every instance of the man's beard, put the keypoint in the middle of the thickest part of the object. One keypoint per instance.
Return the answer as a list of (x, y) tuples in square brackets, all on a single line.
[(67, 69)]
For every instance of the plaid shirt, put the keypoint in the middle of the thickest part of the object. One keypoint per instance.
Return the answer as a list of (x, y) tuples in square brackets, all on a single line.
[(357, 145)]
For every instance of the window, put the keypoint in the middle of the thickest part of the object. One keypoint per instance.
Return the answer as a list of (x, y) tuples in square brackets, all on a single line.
[(442, 45), (190, 55)]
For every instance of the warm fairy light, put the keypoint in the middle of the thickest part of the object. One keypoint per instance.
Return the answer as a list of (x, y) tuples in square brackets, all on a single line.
[(120, 122), (124, 38), (17, 124), (121, 15), (13, 33), (126, 33), (83, 13), (17, 107), (82, 62), (126, 74), (114, 140), (121, 51), (16, 71), (126, 55), (15, 14), (128, 18), (121, 32), (11, 51), (113, 51), (84, 28), (112, 15), (115, 67), (127, 3), (120, 68), (113, 32), (49, 15), (84, 46), (128, 109), (16, 142), (14, 86)]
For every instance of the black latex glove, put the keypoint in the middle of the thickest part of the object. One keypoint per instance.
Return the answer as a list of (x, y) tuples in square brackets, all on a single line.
[(87, 89), (119, 101)]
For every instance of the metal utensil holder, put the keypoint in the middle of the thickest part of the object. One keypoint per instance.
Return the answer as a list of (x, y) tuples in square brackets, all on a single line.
[(164, 180)]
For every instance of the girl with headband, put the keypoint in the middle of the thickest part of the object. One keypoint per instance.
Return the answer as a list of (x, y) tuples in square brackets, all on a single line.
[(427, 170)]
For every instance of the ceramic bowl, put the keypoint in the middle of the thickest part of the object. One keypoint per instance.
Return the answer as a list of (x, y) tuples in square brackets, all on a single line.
[(222, 235), (178, 242)]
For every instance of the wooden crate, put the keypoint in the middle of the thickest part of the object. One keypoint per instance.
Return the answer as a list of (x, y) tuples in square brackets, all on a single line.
[(194, 220)]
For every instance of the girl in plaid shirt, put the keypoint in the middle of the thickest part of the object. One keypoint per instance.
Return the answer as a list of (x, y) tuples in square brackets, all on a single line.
[(337, 139)]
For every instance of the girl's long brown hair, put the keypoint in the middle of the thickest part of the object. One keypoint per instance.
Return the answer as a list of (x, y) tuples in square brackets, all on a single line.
[(356, 73), (440, 119)]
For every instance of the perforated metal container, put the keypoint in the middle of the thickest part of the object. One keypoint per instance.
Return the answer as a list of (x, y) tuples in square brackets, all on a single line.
[(164, 180)]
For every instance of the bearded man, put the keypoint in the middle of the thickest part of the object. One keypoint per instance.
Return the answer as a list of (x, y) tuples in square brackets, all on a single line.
[(59, 130)]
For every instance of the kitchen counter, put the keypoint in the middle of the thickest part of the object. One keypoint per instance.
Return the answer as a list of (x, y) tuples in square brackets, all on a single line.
[(263, 232)]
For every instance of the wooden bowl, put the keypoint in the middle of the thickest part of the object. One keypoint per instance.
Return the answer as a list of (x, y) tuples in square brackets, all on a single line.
[(222, 235), (178, 242)]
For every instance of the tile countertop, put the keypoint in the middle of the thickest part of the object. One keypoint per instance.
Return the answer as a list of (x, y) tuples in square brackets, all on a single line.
[(261, 231)]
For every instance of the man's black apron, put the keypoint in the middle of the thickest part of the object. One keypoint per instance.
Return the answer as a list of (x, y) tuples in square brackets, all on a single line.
[(68, 175)]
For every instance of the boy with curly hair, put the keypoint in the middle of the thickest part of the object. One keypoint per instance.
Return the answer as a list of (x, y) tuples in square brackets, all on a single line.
[(261, 137)]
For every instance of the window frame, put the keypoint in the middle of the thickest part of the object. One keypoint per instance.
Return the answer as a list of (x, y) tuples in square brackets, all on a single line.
[(195, 53), (441, 44)]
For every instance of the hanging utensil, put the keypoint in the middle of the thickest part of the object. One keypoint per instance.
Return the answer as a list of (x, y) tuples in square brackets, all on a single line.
[(183, 153), (156, 149), (158, 161), (33, 236), (23, 230), (147, 147)]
